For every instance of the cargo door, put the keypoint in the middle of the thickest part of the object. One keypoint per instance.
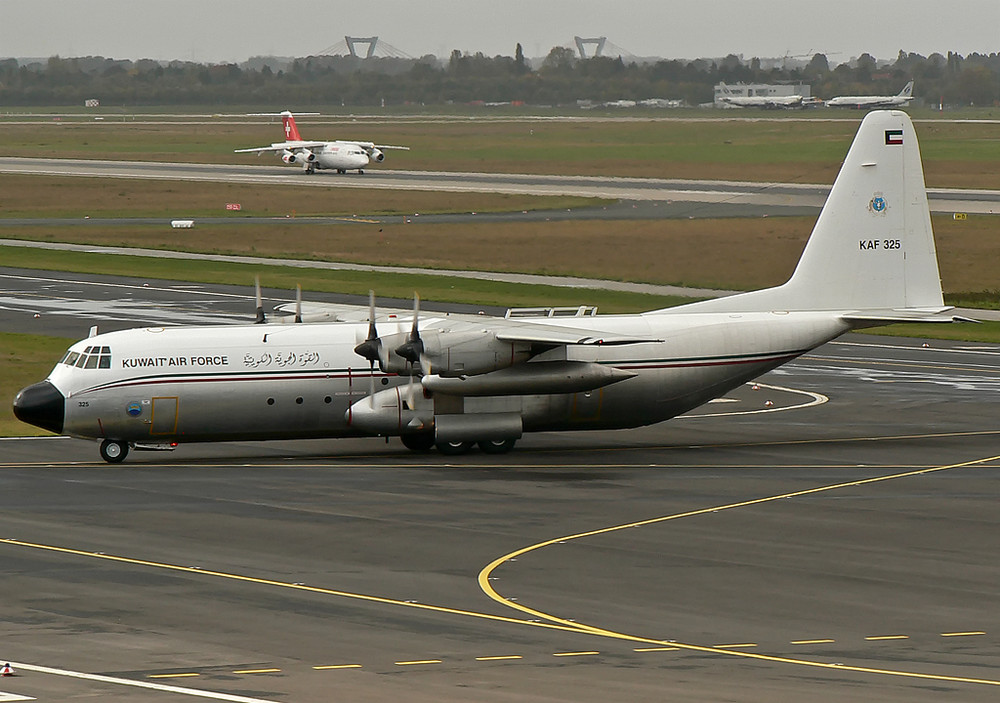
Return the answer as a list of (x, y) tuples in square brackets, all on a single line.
[(164, 419)]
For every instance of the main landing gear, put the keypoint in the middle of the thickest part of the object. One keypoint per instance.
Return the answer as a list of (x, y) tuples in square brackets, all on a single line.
[(114, 451), (424, 441)]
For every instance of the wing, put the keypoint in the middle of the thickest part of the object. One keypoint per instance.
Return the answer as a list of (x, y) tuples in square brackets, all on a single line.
[(552, 335), (283, 146), (368, 146)]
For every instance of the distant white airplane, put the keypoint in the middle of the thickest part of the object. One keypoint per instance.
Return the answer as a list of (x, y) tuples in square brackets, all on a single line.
[(341, 155), (764, 101), (457, 381), (871, 102)]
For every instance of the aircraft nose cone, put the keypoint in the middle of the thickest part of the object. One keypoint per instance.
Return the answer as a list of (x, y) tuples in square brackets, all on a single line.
[(41, 405)]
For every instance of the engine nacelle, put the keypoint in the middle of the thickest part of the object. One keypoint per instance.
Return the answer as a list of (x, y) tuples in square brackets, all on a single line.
[(300, 157), (394, 411), (451, 353), (377, 155)]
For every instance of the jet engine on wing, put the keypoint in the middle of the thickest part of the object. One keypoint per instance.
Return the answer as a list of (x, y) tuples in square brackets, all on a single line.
[(301, 157), (377, 155)]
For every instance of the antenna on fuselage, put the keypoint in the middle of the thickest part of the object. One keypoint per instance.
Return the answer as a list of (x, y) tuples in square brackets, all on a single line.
[(260, 319), (298, 303)]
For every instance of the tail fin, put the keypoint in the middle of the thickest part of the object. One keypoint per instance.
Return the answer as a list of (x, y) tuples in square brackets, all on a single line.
[(907, 91), (291, 131), (872, 247)]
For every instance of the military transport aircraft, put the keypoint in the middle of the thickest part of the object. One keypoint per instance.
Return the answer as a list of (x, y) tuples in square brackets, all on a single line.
[(453, 381), (872, 102), (342, 156)]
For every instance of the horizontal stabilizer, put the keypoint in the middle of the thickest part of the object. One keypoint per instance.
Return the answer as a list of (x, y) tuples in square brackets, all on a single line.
[(885, 317)]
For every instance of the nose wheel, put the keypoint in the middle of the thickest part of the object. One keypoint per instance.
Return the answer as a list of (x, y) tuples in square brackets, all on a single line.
[(113, 451)]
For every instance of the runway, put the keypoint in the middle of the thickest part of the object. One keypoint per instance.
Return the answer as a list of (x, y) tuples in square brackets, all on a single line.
[(801, 197), (837, 544)]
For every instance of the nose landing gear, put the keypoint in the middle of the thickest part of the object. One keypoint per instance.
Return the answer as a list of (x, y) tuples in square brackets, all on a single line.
[(114, 451)]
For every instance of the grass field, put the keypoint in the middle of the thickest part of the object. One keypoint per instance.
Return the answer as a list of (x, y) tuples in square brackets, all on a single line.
[(392, 285), (804, 151), (46, 196), (26, 358), (739, 254)]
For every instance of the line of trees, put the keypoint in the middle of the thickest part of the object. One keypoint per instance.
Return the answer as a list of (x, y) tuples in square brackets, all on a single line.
[(561, 78)]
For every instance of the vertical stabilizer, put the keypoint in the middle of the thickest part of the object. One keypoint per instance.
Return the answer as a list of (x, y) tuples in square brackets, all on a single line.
[(907, 91), (291, 131), (872, 247)]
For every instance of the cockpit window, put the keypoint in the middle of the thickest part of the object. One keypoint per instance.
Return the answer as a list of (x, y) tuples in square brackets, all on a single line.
[(92, 357)]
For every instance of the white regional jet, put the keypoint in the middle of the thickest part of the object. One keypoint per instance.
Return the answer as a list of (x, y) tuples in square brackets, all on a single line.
[(342, 156), (457, 380), (871, 102)]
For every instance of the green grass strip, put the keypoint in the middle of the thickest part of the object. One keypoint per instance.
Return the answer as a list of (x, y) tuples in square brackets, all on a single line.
[(446, 289)]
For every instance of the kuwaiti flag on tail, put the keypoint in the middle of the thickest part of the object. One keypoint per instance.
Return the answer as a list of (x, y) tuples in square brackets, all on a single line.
[(893, 136)]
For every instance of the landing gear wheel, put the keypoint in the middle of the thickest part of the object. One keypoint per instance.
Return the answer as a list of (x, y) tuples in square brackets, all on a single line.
[(342, 170), (454, 448), (310, 170), (113, 451), (361, 172), (497, 446), (419, 442)]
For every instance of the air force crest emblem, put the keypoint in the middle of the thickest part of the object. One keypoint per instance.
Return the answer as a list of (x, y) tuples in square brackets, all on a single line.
[(877, 205)]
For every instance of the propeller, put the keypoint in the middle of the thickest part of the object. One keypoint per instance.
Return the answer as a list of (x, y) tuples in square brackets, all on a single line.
[(413, 347), (412, 350), (260, 302), (371, 348)]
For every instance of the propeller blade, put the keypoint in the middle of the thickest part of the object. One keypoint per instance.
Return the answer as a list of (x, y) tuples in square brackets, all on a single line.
[(371, 384), (298, 303), (371, 348), (260, 301), (413, 347)]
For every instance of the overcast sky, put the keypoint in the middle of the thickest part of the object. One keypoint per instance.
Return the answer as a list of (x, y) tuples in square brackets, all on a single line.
[(234, 30)]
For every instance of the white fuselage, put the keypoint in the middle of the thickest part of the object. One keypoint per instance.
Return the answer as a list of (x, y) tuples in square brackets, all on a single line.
[(265, 382), (344, 156), (868, 101)]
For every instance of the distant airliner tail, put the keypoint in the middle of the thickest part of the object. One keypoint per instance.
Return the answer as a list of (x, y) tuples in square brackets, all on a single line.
[(872, 248), (291, 131), (907, 91)]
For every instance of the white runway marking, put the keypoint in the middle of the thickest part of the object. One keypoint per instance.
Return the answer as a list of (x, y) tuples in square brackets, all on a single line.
[(140, 684)]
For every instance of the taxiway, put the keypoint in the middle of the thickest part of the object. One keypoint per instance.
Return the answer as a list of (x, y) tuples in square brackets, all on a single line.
[(838, 544)]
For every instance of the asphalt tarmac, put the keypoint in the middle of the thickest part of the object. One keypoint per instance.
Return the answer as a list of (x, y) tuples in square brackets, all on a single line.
[(838, 543), (731, 197)]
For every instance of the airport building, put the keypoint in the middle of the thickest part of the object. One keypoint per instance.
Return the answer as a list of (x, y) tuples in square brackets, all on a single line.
[(759, 90)]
